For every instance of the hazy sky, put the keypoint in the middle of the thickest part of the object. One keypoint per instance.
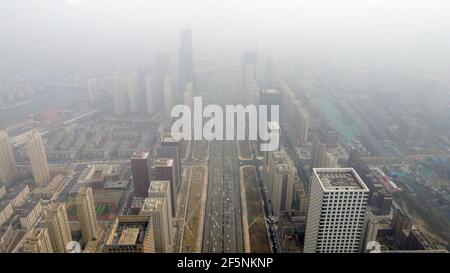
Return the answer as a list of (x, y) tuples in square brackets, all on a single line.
[(82, 31)]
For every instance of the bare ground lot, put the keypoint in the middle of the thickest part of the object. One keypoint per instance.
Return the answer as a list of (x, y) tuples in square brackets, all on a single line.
[(193, 214), (259, 242)]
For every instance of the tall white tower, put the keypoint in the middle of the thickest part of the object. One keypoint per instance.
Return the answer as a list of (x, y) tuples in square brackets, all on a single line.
[(336, 211), (8, 169), (86, 213), (38, 158)]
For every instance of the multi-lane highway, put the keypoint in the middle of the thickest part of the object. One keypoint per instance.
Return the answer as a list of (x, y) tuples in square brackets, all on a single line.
[(223, 217)]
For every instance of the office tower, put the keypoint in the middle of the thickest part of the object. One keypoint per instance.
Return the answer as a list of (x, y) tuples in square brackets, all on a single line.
[(118, 95), (168, 96), (156, 209), (142, 72), (332, 138), (249, 58), (164, 169), (86, 214), (93, 91), (161, 71), (132, 87), (38, 242), (150, 94), (186, 60), (250, 86), (188, 96), (131, 234), (58, 227), (8, 171), (336, 211), (161, 189), (301, 123), (38, 158), (260, 65), (269, 97), (271, 73), (283, 188), (319, 153), (170, 148), (141, 171)]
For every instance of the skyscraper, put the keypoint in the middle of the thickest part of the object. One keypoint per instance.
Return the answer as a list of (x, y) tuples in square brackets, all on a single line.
[(249, 59), (188, 95), (86, 214), (93, 91), (156, 209), (161, 189), (283, 188), (133, 98), (336, 211), (168, 96), (38, 158), (186, 59), (319, 153), (142, 72), (150, 94), (301, 122), (161, 71), (271, 97), (38, 242), (58, 227), (141, 171), (8, 169), (169, 148), (118, 95), (164, 169)]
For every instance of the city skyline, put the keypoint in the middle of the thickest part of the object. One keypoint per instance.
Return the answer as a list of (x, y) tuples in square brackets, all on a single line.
[(284, 145)]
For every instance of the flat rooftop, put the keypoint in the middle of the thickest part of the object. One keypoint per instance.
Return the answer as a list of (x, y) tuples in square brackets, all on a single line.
[(137, 202), (129, 233), (283, 168), (158, 185), (116, 184), (139, 155), (164, 162), (129, 236), (270, 90), (339, 179), (153, 204)]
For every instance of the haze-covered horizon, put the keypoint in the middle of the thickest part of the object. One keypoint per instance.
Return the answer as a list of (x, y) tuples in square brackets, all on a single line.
[(55, 34)]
